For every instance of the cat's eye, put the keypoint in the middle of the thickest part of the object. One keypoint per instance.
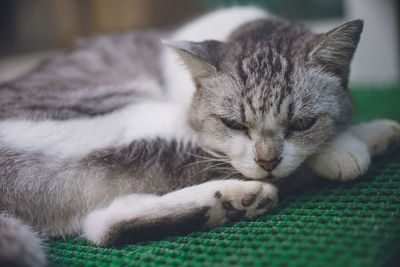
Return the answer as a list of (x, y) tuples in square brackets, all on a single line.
[(302, 124), (234, 125)]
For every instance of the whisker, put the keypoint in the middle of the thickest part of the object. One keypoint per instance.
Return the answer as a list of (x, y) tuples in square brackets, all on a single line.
[(203, 161), (207, 168), (198, 156), (232, 174), (217, 156)]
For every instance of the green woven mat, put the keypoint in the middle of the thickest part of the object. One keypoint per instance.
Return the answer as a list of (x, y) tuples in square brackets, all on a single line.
[(335, 224)]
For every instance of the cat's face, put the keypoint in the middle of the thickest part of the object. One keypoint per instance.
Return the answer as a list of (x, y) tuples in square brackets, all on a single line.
[(266, 110), (265, 123)]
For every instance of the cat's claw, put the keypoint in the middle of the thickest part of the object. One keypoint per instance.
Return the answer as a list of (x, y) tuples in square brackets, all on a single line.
[(241, 200)]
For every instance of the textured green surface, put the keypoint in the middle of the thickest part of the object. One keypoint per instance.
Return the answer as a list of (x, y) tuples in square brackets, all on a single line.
[(335, 224)]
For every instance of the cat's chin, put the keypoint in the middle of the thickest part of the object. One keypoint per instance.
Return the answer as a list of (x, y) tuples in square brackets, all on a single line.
[(269, 178), (264, 176), (272, 179), (255, 173)]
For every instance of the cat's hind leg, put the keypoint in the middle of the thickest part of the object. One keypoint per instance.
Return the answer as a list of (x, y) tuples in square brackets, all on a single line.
[(144, 217)]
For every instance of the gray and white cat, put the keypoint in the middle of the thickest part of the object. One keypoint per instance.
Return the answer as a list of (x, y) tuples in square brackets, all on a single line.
[(116, 141)]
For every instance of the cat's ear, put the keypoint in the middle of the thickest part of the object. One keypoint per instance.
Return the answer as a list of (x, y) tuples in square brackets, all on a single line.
[(201, 58), (334, 50)]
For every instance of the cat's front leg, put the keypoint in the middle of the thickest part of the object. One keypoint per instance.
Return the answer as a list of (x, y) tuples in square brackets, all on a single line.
[(348, 156), (141, 217)]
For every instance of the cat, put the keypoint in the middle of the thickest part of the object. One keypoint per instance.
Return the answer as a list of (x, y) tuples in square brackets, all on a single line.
[(117, 141)]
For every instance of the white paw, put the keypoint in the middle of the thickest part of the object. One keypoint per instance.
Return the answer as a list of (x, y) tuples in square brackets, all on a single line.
[(241, 200), (379, 135), (346, 158)]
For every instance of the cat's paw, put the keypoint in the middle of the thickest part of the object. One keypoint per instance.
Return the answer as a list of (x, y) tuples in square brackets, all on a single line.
[(345, 158), (241, 200), (379, 135)]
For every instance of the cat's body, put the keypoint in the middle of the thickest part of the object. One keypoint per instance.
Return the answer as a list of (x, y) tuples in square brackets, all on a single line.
[(100, 142)]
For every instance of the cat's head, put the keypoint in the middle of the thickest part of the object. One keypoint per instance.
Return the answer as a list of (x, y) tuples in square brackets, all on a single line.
[(272, 95)]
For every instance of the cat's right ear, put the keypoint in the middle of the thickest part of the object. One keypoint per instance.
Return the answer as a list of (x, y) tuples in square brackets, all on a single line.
[(201, 58)]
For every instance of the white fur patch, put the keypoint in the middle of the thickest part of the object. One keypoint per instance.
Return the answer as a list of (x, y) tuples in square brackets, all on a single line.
[(345, 158), (217, 25), (81, 136)]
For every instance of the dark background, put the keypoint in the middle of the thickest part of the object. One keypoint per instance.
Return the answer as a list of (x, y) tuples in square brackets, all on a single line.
[(34, 25), (31, 29)]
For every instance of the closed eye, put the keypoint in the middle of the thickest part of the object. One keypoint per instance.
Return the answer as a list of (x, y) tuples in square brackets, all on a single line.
[(302, 124), (234, 125)]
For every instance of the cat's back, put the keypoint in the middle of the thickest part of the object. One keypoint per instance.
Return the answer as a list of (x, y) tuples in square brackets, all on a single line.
[(98, 76), (103, 74)]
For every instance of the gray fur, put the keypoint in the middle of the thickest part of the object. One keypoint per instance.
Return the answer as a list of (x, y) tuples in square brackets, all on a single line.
[(146, 166), (267, 69), (19, 246), (98, 76)]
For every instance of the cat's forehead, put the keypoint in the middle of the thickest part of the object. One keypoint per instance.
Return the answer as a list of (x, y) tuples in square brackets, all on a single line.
[(265, 56), (256, 106), (264, 81), (268, 62), (266, 74), (264, 90)]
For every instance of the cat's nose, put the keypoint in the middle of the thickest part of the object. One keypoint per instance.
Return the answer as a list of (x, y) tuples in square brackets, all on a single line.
[(268, 165)]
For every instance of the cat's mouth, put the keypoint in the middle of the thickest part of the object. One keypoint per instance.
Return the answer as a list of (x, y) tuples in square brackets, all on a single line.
[(249, 172)]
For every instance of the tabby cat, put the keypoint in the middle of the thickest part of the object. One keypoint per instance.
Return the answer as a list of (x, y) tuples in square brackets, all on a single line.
[(125, 138)]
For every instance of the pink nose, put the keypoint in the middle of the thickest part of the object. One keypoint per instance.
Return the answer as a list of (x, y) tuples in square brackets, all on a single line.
[(268, 165)]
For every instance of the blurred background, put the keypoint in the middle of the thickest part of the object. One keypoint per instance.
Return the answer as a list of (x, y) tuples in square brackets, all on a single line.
[(32, 29)]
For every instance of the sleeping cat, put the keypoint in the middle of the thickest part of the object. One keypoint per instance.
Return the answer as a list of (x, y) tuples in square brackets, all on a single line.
[(116, 141)]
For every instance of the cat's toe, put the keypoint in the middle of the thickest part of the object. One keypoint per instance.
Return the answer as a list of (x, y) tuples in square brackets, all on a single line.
[(232, 213), (241, 200), (344, 159), (266, 200), (264, 203), (346, 166), (249, 200)]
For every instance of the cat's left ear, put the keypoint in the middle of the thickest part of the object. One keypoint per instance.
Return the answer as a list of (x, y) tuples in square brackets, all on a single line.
[(201, 58), (334, 50)]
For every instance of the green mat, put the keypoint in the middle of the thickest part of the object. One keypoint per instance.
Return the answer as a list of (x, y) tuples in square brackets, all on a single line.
[(336, 224)]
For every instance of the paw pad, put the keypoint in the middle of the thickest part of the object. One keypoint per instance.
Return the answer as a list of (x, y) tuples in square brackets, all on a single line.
[(265, 202), (232, 213), (248, 200)]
